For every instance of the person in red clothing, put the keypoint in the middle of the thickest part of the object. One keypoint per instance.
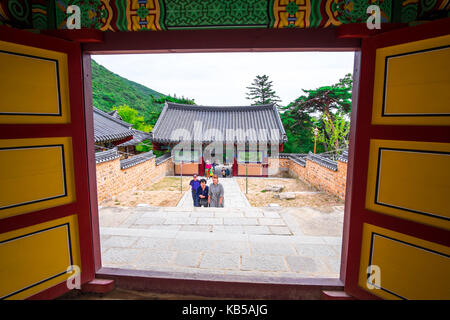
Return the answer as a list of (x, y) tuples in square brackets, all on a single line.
[(208, 169)]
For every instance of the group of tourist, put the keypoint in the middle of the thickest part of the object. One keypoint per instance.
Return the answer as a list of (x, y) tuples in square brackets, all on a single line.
[(211, 168), (204, 196)]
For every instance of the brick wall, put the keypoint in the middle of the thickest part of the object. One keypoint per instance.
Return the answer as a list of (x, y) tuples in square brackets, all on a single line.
[(282, 163), (320, 176), (111, 180)]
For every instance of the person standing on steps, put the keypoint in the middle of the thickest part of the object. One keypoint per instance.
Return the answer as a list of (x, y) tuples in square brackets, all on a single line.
[(194, 186), (216, 193), (208, 168), (202, 194)]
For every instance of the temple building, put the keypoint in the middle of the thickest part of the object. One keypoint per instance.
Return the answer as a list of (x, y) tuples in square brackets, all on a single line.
[(242, 138), (111, 131)]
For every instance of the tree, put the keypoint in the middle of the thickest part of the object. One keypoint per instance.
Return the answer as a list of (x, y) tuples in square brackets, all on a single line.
[(131, 116), (261, 92), (326, 108), (335, 133)]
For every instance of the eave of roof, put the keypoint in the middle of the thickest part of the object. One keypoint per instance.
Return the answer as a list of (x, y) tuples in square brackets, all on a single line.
[(109, 128), (107, 155), (138, 137), (264, 117), (137, 159)]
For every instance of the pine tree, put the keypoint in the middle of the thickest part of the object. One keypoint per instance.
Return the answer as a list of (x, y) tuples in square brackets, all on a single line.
[(261, 92), (329, 106)]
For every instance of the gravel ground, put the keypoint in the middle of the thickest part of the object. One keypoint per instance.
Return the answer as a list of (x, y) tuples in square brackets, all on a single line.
[(306, 195)]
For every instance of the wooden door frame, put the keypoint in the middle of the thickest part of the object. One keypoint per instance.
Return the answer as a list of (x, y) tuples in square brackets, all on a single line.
[(358, 162), (80, 154), (242, 40), (346, 38)]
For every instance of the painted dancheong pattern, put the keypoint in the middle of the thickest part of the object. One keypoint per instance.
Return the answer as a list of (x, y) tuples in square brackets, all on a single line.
[(156, 15)]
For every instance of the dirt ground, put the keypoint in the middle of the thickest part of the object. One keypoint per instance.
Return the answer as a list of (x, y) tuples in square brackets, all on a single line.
[(164, 193), (259, 198), (327, 221)]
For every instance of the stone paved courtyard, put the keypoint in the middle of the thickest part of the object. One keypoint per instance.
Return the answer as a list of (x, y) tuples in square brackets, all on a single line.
[(275, 242)]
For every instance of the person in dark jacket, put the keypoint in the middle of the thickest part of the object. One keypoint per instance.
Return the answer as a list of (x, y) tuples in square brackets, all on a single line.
[(194, 186), (202, 194)]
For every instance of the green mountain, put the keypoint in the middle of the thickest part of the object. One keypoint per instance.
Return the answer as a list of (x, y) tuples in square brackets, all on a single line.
[(111, 90)]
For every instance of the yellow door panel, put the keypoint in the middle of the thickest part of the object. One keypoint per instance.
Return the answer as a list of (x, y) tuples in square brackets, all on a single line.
[(410, 180), (408, 267), (33, 85), (36, 174), (412, 83), (36, 258)]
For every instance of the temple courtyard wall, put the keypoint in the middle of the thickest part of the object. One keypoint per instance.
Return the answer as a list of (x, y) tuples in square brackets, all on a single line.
[(115, 176)]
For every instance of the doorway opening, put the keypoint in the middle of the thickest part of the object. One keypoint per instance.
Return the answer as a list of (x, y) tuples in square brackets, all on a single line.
[(283, 206)]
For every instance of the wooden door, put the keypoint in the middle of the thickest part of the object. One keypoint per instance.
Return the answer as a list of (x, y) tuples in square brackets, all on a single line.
[(45, 224), (398, 199)]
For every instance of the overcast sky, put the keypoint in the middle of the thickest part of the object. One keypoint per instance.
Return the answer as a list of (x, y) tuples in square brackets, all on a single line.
[(220, 79)]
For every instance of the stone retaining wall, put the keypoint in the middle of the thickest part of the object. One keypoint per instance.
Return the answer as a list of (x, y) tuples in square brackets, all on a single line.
[(112, 180), (320, 172)]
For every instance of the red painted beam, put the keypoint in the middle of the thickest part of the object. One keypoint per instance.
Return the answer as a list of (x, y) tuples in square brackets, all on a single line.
[(156, 146), (222, 40), (360, 30), (79, 35), (221, 286), (117, 142)]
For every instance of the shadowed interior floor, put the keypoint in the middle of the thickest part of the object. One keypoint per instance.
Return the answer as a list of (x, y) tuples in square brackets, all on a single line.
[(123, 294)]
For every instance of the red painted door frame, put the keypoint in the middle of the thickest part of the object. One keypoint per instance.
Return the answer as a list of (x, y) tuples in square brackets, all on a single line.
[(248, 40), (242, 40), (75, 129), (360, 134)]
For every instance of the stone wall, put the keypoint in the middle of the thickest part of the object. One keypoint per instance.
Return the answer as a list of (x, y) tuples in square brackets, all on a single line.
[(322, 173), (113, 177)]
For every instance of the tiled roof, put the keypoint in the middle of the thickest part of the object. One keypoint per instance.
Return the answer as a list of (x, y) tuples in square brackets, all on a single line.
[(325, 162), (142, 157), (344, 156), (109, 128), (298, 158), (284, 155), (138, 137), (115, 114), (107, 155), (163, 158), (261, 119)]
